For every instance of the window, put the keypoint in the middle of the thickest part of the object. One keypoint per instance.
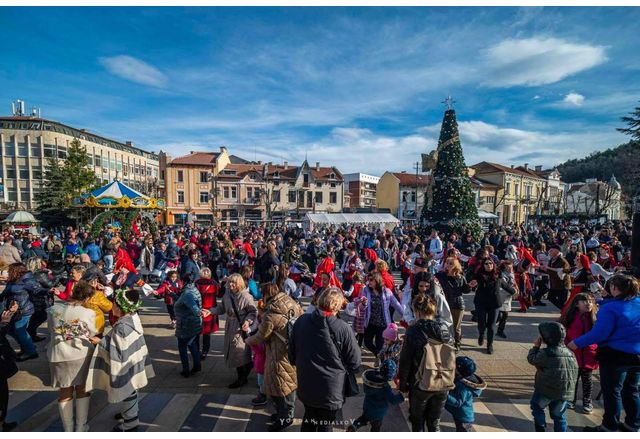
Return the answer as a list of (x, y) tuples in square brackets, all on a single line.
[(23, 150), (318, 184), (507, 189), (305, 178), (404, 196), (234, 195), (24, 195), (491, 200), (204, 197), (318, 197), (517, 188), (332, 176), (333, 197), (35, 150), (62, 154), (292, 197), (276, 196), (9, 149), (413, 197), (12, 195), (36, 173), (225, 192), (249, 192), (180, 197), (161, 175), (204, 177), (180, 177), (333, 185), (49, 151), (11, 173), (24, 174)]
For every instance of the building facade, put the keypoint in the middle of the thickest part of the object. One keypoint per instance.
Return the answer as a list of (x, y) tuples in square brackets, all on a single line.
[(403, 194), (522, 194), (28, 142), (362, 188), (595, 198), (189, 183)]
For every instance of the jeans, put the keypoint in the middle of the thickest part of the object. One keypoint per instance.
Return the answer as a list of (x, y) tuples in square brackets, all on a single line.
[(363, 420), (316, 419), (18, 330), (487, 322), (457, 315), (260, 382), (620, 388), (557, 411), (172, 314), (37, 319), (206, 343), (372, 332), (426, 407), (192, 345), (4, 399), (502, 321), (285, 405)]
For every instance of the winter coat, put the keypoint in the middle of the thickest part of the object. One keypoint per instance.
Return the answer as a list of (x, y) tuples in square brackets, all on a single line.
[(378, 396), (460, 398), (236, 352), (511, 280), (209, 290), (259, 359), (453, 289), (413, 348), (557, 369), (46, 281), (168, 289), (320, 370), (8, 365), (617, 327), (188, 308), (388, 300), (586, 356), (147, 260), (488, 292), (189, 266), (279, 374), (443, 313), (100, 305), (9, 254), (23, 291), (555, 281), (94, 252)]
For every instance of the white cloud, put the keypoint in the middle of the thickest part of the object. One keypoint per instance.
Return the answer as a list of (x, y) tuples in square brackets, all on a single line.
[(538, 61), (574, 99), (134, 70)]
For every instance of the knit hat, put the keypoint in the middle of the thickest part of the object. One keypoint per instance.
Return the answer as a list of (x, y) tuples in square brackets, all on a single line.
[(585, 262), (391, 333), (388, 369), (465, 366)]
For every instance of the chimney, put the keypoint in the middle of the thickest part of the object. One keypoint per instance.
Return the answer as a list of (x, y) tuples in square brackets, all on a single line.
[(539, 168), (526, 166), (286, 165), (129, 143), (223, 150), (513, 166), (317, 166), (259, 162)]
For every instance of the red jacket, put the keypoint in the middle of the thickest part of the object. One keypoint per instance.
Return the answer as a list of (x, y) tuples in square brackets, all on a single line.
[(167, 288), (209, 291), (66, 294), (587, 356)]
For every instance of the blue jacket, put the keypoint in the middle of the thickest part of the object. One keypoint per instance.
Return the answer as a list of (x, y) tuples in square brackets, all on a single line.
[(189, 266), (94, 252), (254, 290), (187, 308), (460, 399), (617, 327), (22, 291), (378, 396)]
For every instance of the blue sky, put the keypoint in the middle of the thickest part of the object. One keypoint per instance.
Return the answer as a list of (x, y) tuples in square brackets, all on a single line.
[(359, 88)]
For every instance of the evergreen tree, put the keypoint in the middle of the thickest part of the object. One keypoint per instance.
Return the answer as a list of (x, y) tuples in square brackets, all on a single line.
[(633, 124), (64, 181), (453, 207)]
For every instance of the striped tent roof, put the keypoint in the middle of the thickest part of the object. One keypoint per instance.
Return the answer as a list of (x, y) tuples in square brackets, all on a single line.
[(116, 190)]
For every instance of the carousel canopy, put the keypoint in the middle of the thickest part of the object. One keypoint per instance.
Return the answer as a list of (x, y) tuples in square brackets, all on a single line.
[(20, 217), (118, 195)]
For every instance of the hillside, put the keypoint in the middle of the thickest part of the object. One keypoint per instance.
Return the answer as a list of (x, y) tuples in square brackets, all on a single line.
[(623, 161)]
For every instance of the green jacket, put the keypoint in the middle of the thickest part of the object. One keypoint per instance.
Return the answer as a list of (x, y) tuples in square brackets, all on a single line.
[(557, 368)]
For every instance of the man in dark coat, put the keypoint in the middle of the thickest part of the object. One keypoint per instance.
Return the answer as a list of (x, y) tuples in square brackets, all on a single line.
[(321, 364)]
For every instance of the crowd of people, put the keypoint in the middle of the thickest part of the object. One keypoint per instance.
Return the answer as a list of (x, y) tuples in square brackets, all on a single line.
[(301, 308)]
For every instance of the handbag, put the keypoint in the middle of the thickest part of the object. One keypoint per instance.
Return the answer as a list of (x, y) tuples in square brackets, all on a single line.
[(243, 334), (351, 387)]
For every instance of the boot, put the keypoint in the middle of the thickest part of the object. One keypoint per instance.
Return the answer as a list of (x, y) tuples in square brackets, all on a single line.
[(541, 428), (66, 414), (242, 378), (82, 413)]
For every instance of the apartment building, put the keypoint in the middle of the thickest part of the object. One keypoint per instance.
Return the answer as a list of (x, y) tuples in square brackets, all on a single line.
[(362, 188), (28, 141), (403, 194)]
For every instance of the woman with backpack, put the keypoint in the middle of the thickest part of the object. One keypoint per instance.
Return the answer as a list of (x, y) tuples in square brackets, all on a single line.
[(280, 382), (425, 405)]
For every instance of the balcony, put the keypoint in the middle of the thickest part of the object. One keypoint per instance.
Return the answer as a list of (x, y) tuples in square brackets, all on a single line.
[(254, 200)]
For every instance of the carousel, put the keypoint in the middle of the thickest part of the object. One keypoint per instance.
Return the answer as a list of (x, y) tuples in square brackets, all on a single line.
[(121, 208)]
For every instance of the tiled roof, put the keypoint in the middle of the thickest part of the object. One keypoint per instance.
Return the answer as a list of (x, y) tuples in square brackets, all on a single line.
[(196, 158), (495, 167), (323, 173), (475, 181), (290, 172), (241, 170), (407, 179)]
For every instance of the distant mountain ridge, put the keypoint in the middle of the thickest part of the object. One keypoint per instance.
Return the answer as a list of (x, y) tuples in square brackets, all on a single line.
[(622, 161)]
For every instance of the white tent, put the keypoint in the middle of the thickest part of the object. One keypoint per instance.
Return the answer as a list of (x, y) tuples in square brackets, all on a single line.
[(382, 220)]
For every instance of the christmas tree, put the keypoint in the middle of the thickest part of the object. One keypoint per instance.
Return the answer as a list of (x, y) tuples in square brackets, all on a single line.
[(452, 207)]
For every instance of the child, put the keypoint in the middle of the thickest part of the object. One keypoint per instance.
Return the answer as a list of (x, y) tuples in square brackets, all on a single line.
[(356, 288), (378, 396), (358, 307), (209, 290), (392, 345), (506, 272), (259, 358), (119, 376), (578, 320), (98, 301), (460, 399), (171, 285), (556, 375)]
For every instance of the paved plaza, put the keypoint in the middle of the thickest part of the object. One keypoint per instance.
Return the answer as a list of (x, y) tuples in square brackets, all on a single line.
[(204, 403)]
